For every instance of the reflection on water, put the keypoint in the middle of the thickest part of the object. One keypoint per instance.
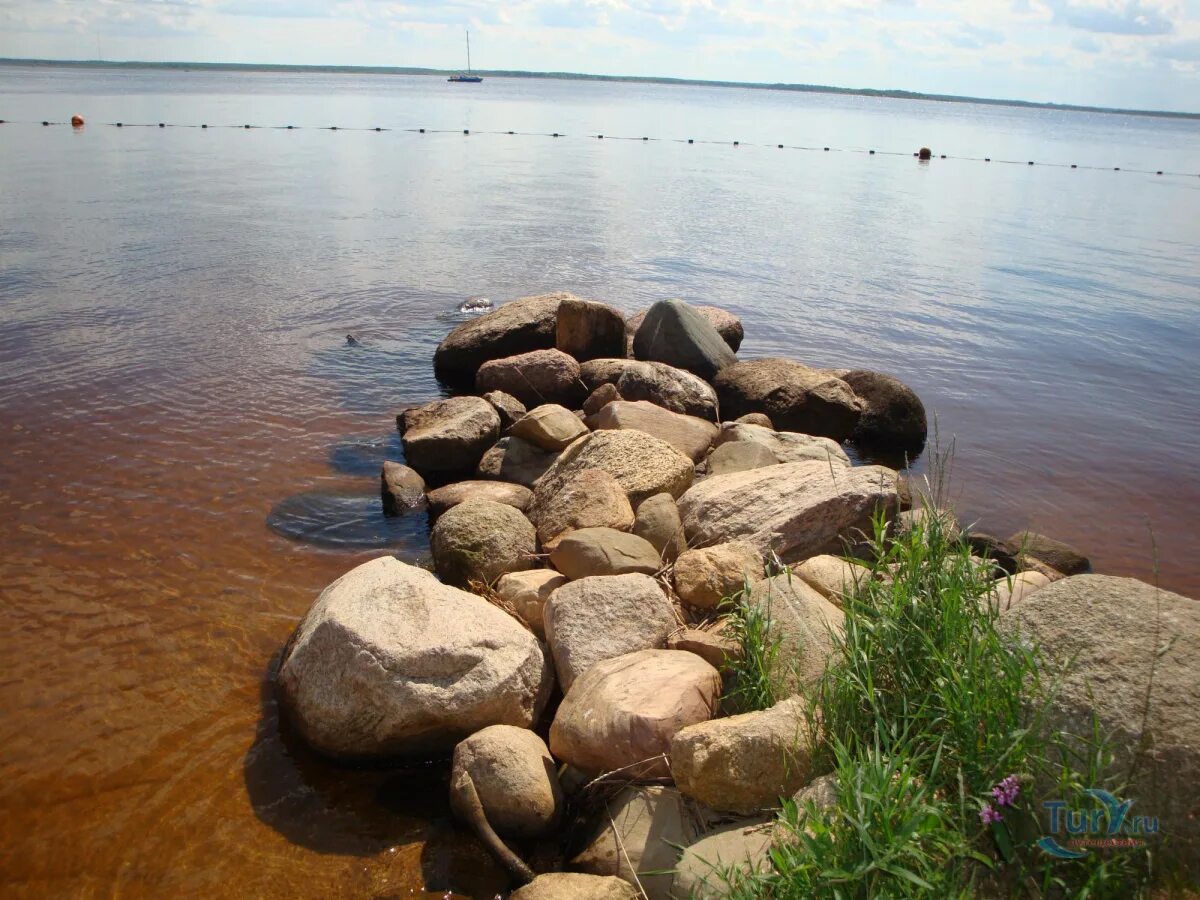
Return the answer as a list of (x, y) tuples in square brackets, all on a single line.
[(174, 371)]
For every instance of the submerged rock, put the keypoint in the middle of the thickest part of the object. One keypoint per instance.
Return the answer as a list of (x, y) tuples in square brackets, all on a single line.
[(517, 327), (1057, 555)]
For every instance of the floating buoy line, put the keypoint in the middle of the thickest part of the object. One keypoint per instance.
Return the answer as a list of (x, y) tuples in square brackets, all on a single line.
[(924, 154)]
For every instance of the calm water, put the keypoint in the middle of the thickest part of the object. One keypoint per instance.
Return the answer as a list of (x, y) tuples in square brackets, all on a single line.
[(173, 369)]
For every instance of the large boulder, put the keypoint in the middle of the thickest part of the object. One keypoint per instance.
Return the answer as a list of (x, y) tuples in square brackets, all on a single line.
[(739, 848), (516, 460), (1057, 555), (674, 333), (743, 764), (793, 396), (402, 488), (515, 779), (589, 330), (389, 662), (727, 324), (517, 327), (549, 427), (603, 551), (657, 521), (785, 446), (832, 577), (1129, 654), (806, 627), (450, 495), (480, 540), (575, 886), (668, 387), (705, 576), (622, 713), (534, 378), (602, 617), (690, 435), (642, 464), (527, 593), (795, 509), (591, 498), (448, 437), (893, 416)]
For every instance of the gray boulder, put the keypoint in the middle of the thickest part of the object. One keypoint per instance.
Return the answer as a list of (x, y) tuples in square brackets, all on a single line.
[(603, 551), (589, 330), (794, 397), (480, 540), (675, 334), (448, 437), (668, 387), (534, 378), (517, 327), (893, 416), (727, 324)]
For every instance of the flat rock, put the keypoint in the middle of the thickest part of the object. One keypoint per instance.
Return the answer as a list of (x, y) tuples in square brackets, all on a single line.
[(804, 623), (744, 846), (795, 509), (705, 576), (727, 324), (515, 460), (527, 592), (893, 416), (549, 427), (690, 435), (447, 437), (534, 378), (657, 521), (1055, 554), (588, 330), (402, 488), (603, 551), (785, 446), (515, 779), (479, 540), (674, 333), (507, 407), (602, 617), (622, 713), (391, 662), (794, 397), (591, 498), (517, 327), (739, 457), (450, 495), (575, 886), (832, 577)]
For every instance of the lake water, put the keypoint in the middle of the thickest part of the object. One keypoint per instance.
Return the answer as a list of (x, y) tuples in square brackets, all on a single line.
[(173, 365)]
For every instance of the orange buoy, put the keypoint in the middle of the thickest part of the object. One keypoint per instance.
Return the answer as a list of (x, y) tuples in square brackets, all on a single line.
[(77, 120)]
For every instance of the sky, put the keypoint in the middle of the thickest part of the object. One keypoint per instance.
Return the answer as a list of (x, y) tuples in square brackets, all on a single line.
[(1141, 54)]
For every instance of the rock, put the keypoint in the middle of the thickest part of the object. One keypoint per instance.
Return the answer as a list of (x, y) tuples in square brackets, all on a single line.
[(549, 427), (535, 378), (1055, 554), (832, 577), (786, 446), (516, 460), (820, 795), (575, 886), (793, 396), (1127, 652), (602, 617), (403, 489), (480, 540), (743, 764), (675, 334), (637, 836), (657, 521), (642, 464), (991, 547), (517, 327), (507, 407), (1008, 592), (603, 551), (893, 416), (443, 498), (528, 592), (516, 780), (447, 437), (671, 388), (804, 623), (598, 372), (690, 435), (622, 713), (389, 661), (743, 846), (727, 324), (705, 577), (794, 509), (739, 457), (711, 645), (1029, 564), (600, 398), (591, 498), (756, 419), (589, 330)]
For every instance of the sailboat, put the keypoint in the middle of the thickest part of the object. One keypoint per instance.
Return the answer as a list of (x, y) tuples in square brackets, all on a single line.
[(468, 77)]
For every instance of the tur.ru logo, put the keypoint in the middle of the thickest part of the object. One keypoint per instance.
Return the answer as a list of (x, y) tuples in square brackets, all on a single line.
[(1081, 830)]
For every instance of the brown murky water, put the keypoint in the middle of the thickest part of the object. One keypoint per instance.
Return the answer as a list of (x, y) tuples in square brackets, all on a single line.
[(173, 367)]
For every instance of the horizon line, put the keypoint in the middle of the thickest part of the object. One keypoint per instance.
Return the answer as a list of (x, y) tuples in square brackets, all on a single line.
[(888, 93)]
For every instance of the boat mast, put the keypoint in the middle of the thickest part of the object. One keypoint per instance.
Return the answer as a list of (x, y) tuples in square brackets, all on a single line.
[(468, 50)]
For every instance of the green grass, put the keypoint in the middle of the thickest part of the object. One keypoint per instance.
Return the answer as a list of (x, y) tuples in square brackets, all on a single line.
[(750, 675)]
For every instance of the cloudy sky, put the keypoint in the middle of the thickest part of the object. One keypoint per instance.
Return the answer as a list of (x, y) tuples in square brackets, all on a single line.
[(1134, 53)]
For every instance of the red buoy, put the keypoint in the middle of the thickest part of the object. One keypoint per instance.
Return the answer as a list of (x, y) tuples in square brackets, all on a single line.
[(77, 120)]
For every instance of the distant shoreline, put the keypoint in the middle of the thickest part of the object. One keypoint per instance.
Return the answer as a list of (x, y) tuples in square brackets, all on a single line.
[(575, 76)]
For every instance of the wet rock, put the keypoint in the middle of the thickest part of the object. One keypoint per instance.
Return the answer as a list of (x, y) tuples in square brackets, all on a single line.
[(804, 623), (603, 551), (893, 416), (448, 437), (508, 407), (793, 396), (690, 435), (600, 398), (713, 646), (480, 540), (528, 593), (756, 419), (743, 846), (706, 576), (602, 617), (549, 427), (402, 488), (674, 333), (575, 886), (443, 498), (516, 460), (657, 521), (832, 577), (535, 378), (591, 498), (1055, 554), (1008, 592), (727, 324), (668, 387), (739, 457), (389, 661), (622, 713), (517, 327), (515, 778), (794, 509), (785, 446), (589, 330)]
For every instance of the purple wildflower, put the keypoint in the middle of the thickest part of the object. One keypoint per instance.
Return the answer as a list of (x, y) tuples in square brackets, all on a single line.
[(989, 814), (1006, 791)]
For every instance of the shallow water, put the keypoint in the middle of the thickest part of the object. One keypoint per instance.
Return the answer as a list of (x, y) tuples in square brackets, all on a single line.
[(174, 367)]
